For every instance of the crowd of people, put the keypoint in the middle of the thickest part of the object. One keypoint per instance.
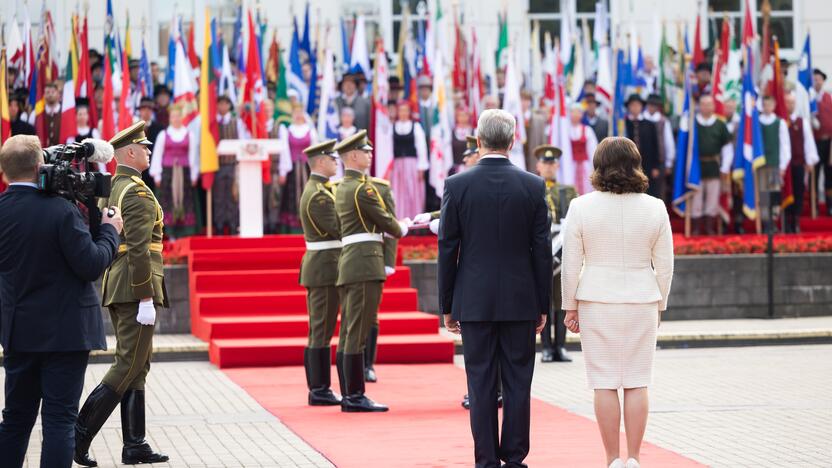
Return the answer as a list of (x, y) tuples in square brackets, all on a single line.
[(799, 144)]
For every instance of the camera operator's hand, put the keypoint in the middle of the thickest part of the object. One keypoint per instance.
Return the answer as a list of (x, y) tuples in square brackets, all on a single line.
[(147, 312), (115, 220)]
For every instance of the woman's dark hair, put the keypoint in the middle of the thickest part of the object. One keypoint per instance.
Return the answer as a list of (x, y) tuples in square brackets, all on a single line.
[(618, 167)]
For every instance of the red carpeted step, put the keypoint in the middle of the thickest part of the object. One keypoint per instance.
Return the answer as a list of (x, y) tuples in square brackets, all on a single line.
[(247, 259), (201, 243), (294, 326), (392, 349), (287, 302), (270, 280)]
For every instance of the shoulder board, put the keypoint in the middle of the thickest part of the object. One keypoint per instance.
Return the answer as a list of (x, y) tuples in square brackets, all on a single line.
[(137, 180), (323, 188), (333, 183), (379, 180)]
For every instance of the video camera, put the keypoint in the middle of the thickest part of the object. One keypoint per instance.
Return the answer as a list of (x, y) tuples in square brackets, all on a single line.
[(66, 170)]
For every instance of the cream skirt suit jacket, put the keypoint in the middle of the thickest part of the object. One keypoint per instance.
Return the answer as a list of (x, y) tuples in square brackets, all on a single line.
[(616, 272)]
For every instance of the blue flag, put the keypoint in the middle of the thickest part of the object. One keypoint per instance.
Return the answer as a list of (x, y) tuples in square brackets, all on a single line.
[(295, 75), (750, 154), (345, 45), (687, 176), (305, 44), (622, 79), (145, 76), (804, 72), (237, 51)]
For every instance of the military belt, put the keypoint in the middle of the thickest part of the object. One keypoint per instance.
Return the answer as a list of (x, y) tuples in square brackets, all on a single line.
[(323, 245), (154, 247), (362, 237)]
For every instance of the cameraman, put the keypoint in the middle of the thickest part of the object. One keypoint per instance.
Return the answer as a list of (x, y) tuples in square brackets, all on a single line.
[(50, 314)]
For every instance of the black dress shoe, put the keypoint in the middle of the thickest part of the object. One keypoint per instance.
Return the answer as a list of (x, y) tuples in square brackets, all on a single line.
[(324, 397), (354, 400), (561, 355), (97, 408), (136, 450), (547, 355), (466, 402)]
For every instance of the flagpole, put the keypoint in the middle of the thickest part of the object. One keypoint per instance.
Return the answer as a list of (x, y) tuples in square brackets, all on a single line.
[(692, 133), (758, 221), (813, 192), (209, 201)]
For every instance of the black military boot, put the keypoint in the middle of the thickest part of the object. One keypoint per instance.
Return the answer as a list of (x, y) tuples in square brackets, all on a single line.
[(370, 355), (339, 366), (98, 407), (318, 368), (354, 400), (136, 450)]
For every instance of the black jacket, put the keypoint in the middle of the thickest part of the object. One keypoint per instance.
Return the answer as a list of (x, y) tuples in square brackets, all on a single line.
[(48, 262), (495, 247)]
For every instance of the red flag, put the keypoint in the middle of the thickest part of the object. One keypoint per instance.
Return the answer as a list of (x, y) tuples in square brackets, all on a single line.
[(40, 104), (720, 61), (698, 54), (108, 125), (777, 90), (84, 85), (253, 112), (460, 80), (69, 127), (125, 113), (747, 26), (192, 57), (5, 121)]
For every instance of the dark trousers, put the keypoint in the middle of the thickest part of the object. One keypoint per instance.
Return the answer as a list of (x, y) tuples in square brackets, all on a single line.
[(798, 189), (509, 347), (826, 168), (655, 186), (55, 378)]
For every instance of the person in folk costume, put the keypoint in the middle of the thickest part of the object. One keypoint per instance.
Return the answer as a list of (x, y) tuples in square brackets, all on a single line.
[(147, 108), (716, 153), (410, 161), (593, 118), (51, 116), (577, 169), (273, 188), (351, 97), (459, 139), (822, 127), (645, 134), (225, 191), (804, 157), (776, 145), (17, 109), (732, 121), (175, 169), (298, 135), (82, 121), (654, 113), (161, 94), (346, 129)]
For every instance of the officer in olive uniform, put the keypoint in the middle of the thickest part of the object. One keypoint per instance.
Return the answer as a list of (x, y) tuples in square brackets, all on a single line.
[(319, 269), (558, 198), (133, 286), (391, 246), (364, 219)]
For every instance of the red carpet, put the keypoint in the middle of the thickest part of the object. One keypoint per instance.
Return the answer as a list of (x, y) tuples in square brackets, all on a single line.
[(426, 426), (247, 303)]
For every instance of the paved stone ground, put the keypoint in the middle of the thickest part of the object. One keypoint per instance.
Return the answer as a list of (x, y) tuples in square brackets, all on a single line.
[(726, 407), (201, 419)]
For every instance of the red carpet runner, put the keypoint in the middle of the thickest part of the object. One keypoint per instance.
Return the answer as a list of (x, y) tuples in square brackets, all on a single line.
[(246, 302), (426, 426)]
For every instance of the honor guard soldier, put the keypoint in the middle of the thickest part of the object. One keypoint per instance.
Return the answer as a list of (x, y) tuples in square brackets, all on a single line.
[(364, 219), (391, 247), (319, 269), (133, 286), (558, 198)]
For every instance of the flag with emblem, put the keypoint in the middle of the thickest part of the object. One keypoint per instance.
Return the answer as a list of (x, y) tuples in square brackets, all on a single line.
[(750, 154)]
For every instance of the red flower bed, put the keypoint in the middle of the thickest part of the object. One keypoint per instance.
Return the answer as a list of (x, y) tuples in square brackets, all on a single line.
[(716, 245), (174, 253)]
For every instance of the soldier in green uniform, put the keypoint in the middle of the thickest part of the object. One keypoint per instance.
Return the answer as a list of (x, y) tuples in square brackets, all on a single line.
[(391, 247), (132, 288), (558, 198), (319, 269), (364, 220)]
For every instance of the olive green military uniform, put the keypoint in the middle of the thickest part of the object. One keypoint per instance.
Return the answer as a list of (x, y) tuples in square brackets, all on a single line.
[(136, 273), (318, 273), (558, 198)]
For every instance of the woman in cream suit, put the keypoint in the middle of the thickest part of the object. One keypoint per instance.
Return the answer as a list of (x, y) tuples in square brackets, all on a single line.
[(617, 268)]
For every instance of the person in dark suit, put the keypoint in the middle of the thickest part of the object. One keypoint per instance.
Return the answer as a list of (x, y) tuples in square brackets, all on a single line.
[(50, 313), (495, 285)]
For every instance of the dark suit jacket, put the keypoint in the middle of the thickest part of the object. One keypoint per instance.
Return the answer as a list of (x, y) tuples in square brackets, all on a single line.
[(495, 247), (48, 261)]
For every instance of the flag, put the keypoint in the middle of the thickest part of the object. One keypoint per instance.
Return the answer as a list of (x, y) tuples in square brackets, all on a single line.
[(313, 95), (511, 99), (536, 62), (559, 121), (719, 68), (305, 43), (476, 87), (804, 73), (328, 111), (74, 60), (345, 44), (604, 87), (125, 111), (460, 77), (48, 45), (14, 45), (778, 90), (732, 88), (184, 88), (747, 27), (128, 47), (193, 59), (687, 176), (698, 53), (282, 106), (750, 154), (567, 27), (404, 38), (502, 41), (382, 124), (36, 102), (108, 124), (665, 81), (237, 41), (621, 82), (600, 33), (145, 75), (5, 118), (69, 128), (226, 85), (29, 64), (359, 56), (209, 133), (254, 92), (295, 79), (271, 62), (441, 154), (85, 85)]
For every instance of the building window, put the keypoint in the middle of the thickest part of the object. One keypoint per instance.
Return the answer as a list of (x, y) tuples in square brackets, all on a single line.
[(781, 22), (418, 19), (550, 14)]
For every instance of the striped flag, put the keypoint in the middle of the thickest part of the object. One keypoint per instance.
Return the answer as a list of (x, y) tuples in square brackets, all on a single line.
[(382, 124), (687, 176), (69, 128), (750, 154), (5, 120), (209, 131)]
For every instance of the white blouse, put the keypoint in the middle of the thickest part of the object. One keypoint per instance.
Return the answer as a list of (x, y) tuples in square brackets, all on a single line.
[(420, 141), (176, 135)]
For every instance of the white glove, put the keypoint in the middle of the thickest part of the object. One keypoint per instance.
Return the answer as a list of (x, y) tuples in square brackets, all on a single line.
[(421, 218), (388, 270), (147, 312), (404, 225), (434, 226)]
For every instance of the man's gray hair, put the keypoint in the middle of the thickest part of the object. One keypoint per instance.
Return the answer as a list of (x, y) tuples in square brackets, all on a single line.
[(495, 129)]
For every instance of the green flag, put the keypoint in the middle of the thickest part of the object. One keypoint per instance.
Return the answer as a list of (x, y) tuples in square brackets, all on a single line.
[(502, 43), (282, 106)]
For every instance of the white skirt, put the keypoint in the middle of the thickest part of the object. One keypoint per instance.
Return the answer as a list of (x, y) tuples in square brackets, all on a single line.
[(618, 342)]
